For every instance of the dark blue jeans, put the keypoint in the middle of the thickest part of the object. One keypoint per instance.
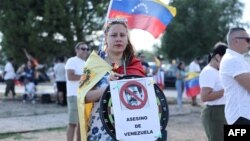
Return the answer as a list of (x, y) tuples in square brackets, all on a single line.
[(179, 84)]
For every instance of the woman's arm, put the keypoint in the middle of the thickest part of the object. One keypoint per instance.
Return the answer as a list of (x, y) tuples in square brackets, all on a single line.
[(178, 74), (20, 69), (95, 94)]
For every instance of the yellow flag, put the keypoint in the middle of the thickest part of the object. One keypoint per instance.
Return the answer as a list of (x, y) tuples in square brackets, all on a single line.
[(157, 62), (94, 70)]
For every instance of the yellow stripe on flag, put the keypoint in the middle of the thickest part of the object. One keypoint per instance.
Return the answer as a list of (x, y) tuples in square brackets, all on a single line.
[(171, 9), (93, 71), (191, 75)]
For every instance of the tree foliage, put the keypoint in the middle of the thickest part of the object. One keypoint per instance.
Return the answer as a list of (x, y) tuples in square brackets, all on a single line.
[(198, 25), (48, 28)]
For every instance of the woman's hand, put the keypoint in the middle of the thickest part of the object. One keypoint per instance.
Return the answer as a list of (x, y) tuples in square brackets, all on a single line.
[(115, 76)]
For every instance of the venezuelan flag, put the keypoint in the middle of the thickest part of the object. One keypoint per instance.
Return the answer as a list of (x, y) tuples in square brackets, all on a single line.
[(192, 84), (93, 71), (149, 15)]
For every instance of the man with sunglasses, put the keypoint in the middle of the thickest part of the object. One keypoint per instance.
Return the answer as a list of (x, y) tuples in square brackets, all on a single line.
[(74, 69), (235, 76)]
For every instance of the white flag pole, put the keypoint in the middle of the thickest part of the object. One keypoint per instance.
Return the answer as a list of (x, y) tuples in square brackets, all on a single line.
[(110, 4), (105, 23)]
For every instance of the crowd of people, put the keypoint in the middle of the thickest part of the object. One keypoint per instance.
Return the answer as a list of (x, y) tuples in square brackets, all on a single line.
[(29, 75), (224, 81), (213, 92), (25, 75)]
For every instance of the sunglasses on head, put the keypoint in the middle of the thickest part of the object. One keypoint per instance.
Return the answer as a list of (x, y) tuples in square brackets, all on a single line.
[(117, 20), (84, 49), (244, 38)]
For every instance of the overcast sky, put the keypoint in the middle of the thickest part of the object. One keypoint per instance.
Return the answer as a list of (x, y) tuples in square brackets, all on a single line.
[(246, 12)]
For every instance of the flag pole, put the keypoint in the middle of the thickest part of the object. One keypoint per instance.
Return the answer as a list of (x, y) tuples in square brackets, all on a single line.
[(106, 20), (110, 4)]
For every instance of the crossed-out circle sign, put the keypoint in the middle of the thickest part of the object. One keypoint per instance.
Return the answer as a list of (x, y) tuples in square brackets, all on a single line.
[(133, 95)]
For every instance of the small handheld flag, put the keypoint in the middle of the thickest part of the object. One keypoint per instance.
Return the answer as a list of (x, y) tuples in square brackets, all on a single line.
[(192, 84)]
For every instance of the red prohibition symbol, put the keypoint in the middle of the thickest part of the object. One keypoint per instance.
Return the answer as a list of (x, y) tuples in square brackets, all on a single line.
[(133, 95)]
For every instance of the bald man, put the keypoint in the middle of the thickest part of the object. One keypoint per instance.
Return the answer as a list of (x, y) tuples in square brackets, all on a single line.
[(235, 76)]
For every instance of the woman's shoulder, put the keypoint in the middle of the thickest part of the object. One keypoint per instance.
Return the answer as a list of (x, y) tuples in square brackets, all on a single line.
[(134, 60), (102, 54), (209, 71), (103, 82)]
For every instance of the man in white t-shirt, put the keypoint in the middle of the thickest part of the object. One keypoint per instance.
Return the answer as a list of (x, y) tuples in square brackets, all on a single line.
[(60, 78), (194, 66), (74, 69), (9, 77), (235, 76)]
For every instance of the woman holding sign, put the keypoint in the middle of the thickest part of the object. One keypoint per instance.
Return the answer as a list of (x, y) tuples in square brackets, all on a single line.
[(119, 53)]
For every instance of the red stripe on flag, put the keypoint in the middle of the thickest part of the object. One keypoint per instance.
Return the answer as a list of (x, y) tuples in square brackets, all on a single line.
[(193, 91), (144, 22)]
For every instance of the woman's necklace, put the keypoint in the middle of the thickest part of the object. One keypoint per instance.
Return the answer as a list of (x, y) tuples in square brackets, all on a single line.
[(117, 64)]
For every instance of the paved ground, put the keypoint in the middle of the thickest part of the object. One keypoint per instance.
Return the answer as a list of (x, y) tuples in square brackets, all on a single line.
[(16, 116), (42, 88), (27, 120)]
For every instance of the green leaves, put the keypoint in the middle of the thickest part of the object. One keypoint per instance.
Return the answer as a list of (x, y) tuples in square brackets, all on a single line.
[(48, 28), (198, 25)]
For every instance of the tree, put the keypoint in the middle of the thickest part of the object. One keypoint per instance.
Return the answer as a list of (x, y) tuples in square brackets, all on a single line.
[(198, 25), (47, 29), (15, 27)]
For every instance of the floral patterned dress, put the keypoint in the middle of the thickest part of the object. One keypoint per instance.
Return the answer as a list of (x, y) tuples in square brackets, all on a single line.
[(97, 131)]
